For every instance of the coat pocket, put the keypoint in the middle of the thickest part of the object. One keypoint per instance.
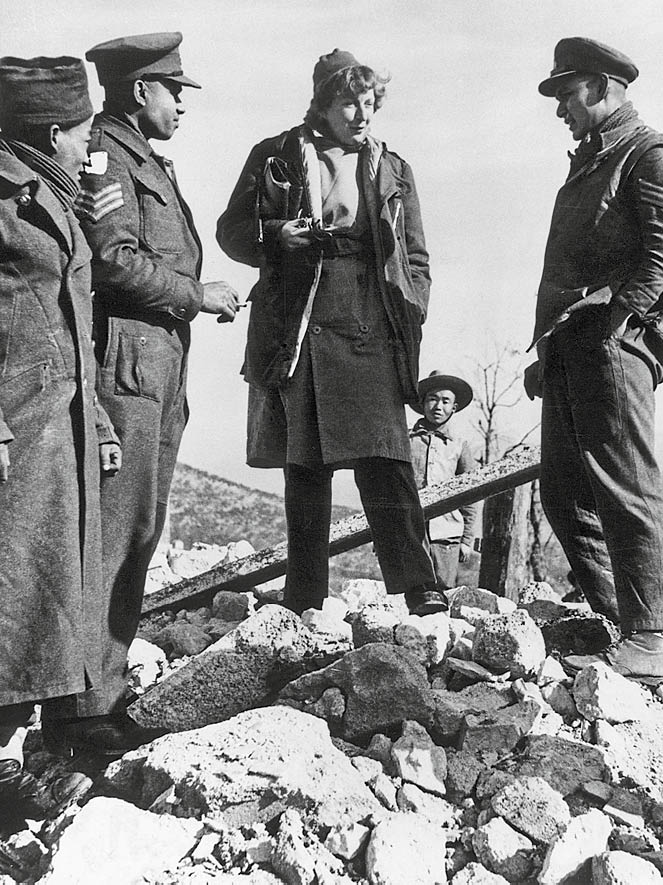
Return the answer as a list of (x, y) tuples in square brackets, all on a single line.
[(136, 368), (160, 218)]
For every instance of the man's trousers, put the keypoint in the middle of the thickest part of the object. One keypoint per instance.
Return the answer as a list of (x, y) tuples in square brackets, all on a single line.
[(600, 485)]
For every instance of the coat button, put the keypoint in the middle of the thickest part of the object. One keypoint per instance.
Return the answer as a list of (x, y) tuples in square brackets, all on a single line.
[(143, 339), (363, 327), (316, 330)]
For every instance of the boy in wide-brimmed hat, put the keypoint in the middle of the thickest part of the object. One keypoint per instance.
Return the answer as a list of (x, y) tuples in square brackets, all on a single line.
[(438, 453)]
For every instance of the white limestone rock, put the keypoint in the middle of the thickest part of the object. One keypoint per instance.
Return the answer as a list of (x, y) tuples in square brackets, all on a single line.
[(532, 807), (248, 770), (112, 841), (503, 850), (418, 760), (146, 663), (509, 643), (571, 852), (620, 868), (602, 693), (477, 874), (406, 848)]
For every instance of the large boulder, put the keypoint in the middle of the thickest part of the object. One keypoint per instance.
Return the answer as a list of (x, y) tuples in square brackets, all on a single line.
[(621, 868), (248, 769), (566, 765), (452, 707), (580, 632), (382, 686), (532, 807), (570, 853), (240, 671), (113, 841)]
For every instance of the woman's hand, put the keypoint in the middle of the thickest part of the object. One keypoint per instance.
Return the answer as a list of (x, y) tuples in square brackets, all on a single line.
[(110, 458), (295, 234)]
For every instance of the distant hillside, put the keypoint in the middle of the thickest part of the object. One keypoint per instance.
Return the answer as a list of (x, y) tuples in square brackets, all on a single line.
[(207, 508)]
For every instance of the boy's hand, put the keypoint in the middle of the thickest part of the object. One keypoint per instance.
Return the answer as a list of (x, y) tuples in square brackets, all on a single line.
[(464, 553)]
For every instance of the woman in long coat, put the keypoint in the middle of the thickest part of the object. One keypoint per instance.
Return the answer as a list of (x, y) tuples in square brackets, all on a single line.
[(52, 432), (331, 218)]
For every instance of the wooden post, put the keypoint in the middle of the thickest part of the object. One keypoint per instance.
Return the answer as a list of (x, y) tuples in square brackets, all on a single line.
[(505, 546)]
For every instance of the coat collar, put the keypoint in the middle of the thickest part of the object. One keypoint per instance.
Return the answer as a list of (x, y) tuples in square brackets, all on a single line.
[(421, 428), (30, 187), (599, 144), (123, 130)]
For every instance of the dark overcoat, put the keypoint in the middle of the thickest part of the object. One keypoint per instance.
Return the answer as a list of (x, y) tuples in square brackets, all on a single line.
[(50, 549), (248, 232)]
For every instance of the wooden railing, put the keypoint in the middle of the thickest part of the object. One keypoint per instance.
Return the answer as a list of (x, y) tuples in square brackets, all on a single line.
[(346, 534)]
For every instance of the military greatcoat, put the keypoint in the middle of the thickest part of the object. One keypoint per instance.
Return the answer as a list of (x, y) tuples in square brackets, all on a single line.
[(51, 602)]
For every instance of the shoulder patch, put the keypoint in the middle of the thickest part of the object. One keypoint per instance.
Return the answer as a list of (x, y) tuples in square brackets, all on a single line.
[(95, 205), (650, 193), (97, 163)]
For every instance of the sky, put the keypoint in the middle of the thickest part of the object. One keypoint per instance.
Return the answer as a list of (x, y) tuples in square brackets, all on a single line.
[(487, 152)]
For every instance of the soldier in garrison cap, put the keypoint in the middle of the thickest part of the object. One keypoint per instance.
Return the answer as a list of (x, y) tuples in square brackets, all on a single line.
[(598, 342), (53, 435), (146, 262)]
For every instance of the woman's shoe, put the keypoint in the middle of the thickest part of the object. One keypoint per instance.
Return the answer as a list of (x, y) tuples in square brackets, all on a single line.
[(423, 601), (108, 736)]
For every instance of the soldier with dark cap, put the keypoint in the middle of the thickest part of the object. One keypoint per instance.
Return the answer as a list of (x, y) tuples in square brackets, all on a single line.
[(53, 435), (598, 306), (146, 262)]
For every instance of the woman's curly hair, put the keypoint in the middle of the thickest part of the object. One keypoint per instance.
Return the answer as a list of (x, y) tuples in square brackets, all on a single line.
[(348, 82)]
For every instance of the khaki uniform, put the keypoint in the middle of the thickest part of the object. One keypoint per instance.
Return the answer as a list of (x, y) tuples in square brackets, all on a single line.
[(145, 270)]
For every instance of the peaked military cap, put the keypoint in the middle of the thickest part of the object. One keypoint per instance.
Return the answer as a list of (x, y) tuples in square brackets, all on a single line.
[(140, 57), (439, 381), (43, 90), (581, 55)]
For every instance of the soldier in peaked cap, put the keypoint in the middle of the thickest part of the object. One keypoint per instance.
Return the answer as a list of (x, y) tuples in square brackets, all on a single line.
[(599, 303), (53, 435), (146, 261), (439, 453)]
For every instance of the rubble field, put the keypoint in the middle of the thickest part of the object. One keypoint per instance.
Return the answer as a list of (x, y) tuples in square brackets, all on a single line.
[(360, 744)]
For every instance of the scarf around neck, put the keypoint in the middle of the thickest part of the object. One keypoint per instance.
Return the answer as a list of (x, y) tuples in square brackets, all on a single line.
[(60, 182)]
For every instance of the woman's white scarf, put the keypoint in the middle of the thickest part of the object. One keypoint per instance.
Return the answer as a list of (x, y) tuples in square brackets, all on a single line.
[(313, 189)]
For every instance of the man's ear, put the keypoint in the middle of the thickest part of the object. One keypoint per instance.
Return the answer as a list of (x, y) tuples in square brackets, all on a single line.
[(602, 83), (53, 135), (140, 92)]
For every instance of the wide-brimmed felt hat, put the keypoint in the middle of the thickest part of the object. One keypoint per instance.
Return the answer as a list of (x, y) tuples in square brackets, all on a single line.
[(439, 381), (140, 57), (582, 55)]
